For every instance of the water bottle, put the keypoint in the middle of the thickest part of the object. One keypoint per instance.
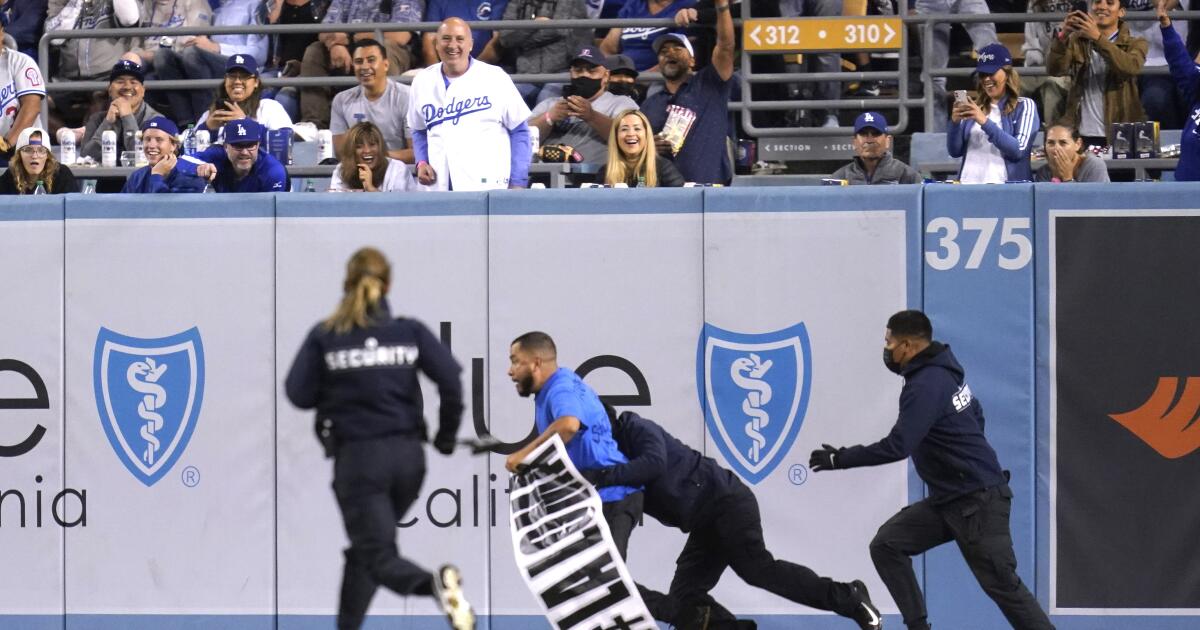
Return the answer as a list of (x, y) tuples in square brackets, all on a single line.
[(203, 140), (208, 187), (66, 146), (139, 150), (535, 141), (189, 140), (324, 144), (41, 188), (309, 186), (108, 149)]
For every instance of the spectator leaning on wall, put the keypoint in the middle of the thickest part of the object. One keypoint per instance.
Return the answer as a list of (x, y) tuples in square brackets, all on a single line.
[(1066, 161), (873, 162), (240, 165), (164, 171)]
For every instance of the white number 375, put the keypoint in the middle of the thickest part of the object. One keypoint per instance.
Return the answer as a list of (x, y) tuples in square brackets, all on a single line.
[(947, 254)]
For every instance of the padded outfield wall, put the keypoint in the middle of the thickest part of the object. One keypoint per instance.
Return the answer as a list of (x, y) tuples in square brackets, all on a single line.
[(1071, 309)]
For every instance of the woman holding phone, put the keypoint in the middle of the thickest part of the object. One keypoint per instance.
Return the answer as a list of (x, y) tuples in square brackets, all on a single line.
[(993, 133)]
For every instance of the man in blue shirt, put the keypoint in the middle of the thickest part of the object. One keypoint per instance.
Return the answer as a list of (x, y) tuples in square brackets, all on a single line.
[(166, 173), (702, 97), (239, 165), (564, 405)]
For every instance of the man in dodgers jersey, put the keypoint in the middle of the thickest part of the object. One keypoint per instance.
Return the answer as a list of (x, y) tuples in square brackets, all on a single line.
[(21, 92), (468, 120)]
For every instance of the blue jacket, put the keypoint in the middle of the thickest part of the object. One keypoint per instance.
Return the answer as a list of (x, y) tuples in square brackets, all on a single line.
[(1013, 136), (940, 426), (1186, 76), (365, 380), (177, 181), (267, 174), (681, 486)]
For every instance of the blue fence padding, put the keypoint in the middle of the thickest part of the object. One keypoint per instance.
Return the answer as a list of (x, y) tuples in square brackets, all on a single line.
[(28, 208), (333, 205), (165, 206), (597, 201)]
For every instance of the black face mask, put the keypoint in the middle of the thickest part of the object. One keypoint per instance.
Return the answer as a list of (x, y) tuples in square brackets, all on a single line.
[(890, 363), (585, 87), (632, 90)]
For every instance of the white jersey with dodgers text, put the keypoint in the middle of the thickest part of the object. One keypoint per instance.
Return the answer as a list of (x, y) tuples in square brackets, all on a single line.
[(467, 120), (19, 75)]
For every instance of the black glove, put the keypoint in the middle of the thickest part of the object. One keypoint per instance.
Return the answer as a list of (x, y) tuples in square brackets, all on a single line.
[(445, 445), (825, 458)]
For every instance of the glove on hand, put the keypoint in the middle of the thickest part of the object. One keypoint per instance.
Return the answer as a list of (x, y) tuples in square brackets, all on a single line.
[(445, 445), (825, 458)]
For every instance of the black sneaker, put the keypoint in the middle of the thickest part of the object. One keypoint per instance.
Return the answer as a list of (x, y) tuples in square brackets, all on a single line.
[(447, 588), (864, 612)]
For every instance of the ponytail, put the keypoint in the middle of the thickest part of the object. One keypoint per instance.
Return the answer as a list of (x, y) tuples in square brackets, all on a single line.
[(367, 278)]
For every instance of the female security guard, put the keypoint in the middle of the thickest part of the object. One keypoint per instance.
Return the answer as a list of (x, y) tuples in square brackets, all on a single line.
[(358, 368)]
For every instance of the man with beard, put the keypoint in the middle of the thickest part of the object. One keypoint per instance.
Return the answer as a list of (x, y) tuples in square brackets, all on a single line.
[(166, 172), (240, 165), (564, 405), (582, 118), (127, 110), (376, 98), (696, 103), (873, 162)]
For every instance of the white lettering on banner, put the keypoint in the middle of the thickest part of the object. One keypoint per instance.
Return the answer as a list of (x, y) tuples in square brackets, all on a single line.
[(986, 226), (565, 551), (370, 355), (962, 398)]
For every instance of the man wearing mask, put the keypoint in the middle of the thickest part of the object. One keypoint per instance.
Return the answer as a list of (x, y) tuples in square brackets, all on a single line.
[(583, 117), (165, 172), (622, 78), (941, 427), (240, 165), (873, 162)]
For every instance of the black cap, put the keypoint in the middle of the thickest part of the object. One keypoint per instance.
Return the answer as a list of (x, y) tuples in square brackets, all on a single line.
[(127, 68), (591, 55), (622, 64)]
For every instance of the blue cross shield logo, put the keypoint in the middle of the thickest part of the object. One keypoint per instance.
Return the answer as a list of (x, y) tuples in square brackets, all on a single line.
[(754, 391), (148, 393)]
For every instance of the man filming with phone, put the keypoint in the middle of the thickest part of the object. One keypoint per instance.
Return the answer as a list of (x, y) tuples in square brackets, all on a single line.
[(582, 118)]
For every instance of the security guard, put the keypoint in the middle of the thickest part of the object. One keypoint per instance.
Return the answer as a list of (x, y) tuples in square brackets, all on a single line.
[(941, 427), (358, 368), (687, 490)]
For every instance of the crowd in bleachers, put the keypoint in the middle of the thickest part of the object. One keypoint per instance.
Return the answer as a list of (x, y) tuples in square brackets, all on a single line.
[(635, 134)]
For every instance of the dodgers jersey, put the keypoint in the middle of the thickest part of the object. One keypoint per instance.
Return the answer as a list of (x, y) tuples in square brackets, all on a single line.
[(19, 75), (467, 120)]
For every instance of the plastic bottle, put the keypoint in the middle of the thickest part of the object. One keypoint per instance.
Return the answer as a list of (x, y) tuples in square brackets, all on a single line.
[(108, 149), (139, 150), (189, 140), (203, 140), (66, 146), (535, 141), (41, 188), (309, 186), (324, 144)]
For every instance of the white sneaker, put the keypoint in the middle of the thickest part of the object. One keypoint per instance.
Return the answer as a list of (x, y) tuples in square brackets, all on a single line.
[(447, 588)]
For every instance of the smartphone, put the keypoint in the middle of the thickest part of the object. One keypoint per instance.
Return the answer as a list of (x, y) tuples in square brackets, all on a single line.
[(568, 90), (1079, 5), (960, 96)]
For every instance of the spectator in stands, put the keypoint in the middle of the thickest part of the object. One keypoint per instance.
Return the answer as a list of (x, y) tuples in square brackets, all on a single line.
[(468, 120), (205, 58), (485, 43), (816, 62), (239, 165), (1160, 100), (23, 88), (330, 56), (632, 159), (1050, 92), (240, 96), (701, 97), (546, 50), (622, 78), (873, 162), (24, 21), (1187, 80), (34, 163), (982, 34), (582, 119), (87, 59), (166, 14), (377, 99), (126, 111), (993, 134), (165, 172), (637, 42), (364, 165), (287, 51), (1066, 159), (1098, 52)]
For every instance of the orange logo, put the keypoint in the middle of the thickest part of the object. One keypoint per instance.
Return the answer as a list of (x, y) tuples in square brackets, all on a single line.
[(1170, 430)]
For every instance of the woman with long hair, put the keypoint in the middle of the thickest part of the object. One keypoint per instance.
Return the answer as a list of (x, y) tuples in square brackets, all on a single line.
[(364, 165), (34, 162), (1066, 159), (993, 133), (240, 96), (358, 368), (632, 159)]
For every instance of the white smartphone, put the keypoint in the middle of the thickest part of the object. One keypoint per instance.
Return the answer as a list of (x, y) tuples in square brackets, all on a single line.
[(960, 96)]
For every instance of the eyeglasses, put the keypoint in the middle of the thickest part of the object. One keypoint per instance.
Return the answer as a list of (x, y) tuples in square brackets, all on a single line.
[(35, 151), (243, 146)]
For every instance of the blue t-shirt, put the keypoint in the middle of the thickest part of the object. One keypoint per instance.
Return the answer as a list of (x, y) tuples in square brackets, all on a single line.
[(703, 158), (637, 42), (565, 394), (471, 11), (181, 179), (267, 174)]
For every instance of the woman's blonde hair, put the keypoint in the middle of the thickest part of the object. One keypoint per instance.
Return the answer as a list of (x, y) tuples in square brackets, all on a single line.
[(1012, 91), (363, 133), (622, 169), (249, 106), (368, 276), (23, 179)]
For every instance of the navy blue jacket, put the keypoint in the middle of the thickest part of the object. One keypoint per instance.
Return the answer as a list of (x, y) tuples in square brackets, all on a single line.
[(366, 380), (267, 174), (940, 427), (1187, 80), (143, 181), (681, 486), (1013, 137)]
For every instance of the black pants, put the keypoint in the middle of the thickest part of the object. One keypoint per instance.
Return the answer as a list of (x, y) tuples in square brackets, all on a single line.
[(978, 523), (375, 482), (622, 516), (733, 538)]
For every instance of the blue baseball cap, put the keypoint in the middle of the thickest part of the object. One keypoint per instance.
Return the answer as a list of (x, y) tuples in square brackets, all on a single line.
[(246, 63), (991, 58), (242, 130), (127, 68), (870, 120), (162, 123)]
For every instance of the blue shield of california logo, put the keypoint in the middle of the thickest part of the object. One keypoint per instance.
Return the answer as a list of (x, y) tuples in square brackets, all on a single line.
[(754, 392), (148, 393)]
